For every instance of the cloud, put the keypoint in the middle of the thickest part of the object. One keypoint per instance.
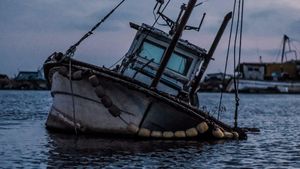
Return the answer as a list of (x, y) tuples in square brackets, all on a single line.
[(294, 28), (31, 30)]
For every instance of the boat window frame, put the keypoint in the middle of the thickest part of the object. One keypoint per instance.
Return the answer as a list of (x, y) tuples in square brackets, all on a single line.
[(188, 63), (152, 43), (188, 59)]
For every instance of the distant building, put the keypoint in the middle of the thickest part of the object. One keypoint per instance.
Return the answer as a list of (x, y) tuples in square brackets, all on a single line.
[(252, 71), (268, 77), (270, 71), (281, 77)]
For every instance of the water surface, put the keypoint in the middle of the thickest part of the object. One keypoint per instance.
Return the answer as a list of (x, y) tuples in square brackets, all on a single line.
[(24, 141)]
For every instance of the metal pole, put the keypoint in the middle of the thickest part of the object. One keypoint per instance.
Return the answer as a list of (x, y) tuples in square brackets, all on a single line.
[(209, 55), (173, 43), (285, 38)]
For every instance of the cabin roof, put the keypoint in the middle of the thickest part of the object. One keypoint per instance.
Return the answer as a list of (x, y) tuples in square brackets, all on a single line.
[(164, 36)]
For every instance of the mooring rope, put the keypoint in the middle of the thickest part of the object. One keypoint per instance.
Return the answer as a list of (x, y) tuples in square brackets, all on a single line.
[(227, 57), (235, 46), (240, 43), (72, 92), (236, 79), (70, 52), (238, 33)]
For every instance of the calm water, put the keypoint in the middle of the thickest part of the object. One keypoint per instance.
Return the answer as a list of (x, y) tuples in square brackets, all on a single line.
[(24, 141)]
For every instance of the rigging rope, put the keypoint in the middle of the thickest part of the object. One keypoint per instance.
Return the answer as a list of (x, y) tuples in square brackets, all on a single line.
[(234, 48), (72, 92), (278, 55), (70, 52), (237, 61), (293, 39), (296, 49), (236, 79), (227, 56), (241, 38)]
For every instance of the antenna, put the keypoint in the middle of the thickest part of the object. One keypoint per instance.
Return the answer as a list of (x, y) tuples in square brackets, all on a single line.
[(174, 24), (160, 3), (196, 28)]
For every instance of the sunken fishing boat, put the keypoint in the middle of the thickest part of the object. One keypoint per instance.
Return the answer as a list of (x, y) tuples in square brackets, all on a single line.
[(151, 94)]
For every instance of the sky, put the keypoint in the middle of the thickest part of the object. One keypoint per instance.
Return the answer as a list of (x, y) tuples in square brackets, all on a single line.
[(31, 30)]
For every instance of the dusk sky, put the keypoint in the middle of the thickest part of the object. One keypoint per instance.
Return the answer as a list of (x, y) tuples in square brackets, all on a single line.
[(30, 30)]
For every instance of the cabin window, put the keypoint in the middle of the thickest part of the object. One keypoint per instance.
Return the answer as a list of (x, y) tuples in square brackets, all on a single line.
[(177, 63), (254, 69), (150, 51)]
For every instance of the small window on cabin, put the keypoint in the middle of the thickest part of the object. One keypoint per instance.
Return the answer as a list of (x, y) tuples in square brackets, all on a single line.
[(150, 51), (179, 63)]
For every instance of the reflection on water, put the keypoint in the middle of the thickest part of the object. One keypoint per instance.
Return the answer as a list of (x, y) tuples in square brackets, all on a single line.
[(24, 141), (70, 151)]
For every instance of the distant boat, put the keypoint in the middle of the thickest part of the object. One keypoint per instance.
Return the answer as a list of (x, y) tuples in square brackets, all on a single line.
[(4, 81), (283, 77), (215, 82), (25, 80), (30, 80), (152, 94)]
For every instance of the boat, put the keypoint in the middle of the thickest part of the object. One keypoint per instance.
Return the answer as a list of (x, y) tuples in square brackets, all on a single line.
[(30, 80), (262, 77), (25, 80), (215, 82), (151, 94)]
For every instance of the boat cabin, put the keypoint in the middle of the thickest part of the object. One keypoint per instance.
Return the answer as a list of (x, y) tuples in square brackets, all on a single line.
[(252, 71), (146, 52), (270, 71)]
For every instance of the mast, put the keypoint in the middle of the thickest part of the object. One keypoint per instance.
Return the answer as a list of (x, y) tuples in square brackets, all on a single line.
[(209, 55), (285, 39), (173, 43)]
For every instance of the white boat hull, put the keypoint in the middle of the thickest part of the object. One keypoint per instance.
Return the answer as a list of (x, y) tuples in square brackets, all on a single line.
[(89, 113), (265, 86), (77, 105)]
